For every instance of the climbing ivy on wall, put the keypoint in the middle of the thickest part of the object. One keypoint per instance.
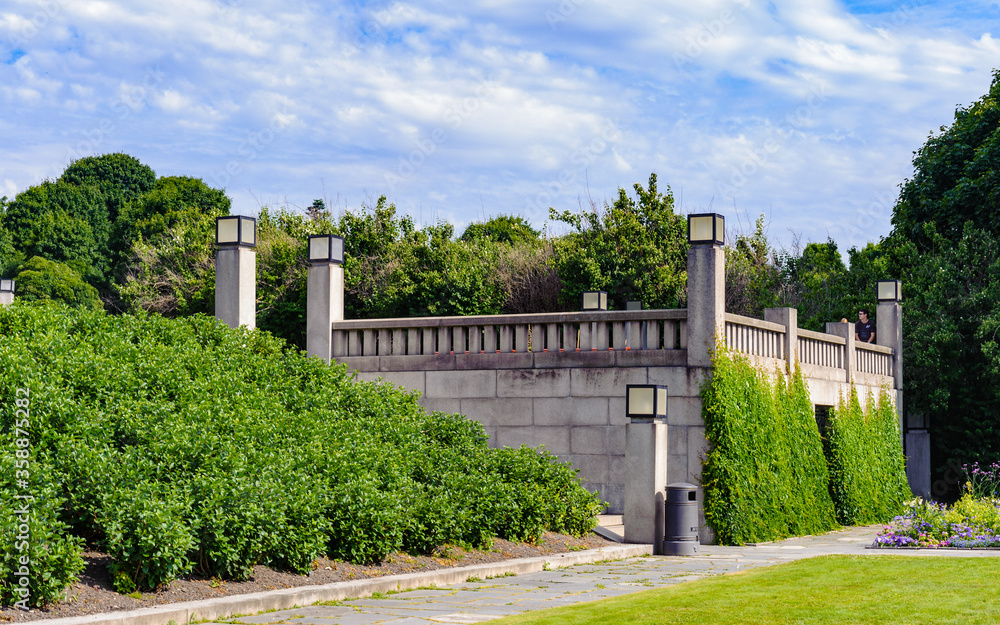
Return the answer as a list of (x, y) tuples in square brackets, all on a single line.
[(867, 467), (765, 476), (769, 474)]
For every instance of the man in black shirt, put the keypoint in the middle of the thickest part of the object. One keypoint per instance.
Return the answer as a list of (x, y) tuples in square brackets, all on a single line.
[(864, 330)]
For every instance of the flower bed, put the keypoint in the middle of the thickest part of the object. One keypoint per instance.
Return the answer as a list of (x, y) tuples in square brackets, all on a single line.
[(972, 523)]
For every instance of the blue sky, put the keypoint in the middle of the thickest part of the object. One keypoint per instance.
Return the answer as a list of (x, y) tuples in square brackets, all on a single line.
[(806, 112)]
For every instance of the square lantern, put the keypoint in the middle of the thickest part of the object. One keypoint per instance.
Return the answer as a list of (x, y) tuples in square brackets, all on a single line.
[(633, 304), (236, 230), (889, 291), (645, 402), (6, 286), (326, 248), (595, 300), (706, 228)]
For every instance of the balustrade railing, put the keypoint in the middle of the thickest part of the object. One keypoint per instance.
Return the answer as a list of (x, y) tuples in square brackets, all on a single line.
[(876, 359), (552, 332), (822, 350), (755, 337)]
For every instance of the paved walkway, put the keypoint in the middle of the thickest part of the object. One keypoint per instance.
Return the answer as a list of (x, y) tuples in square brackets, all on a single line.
[(480, 600)]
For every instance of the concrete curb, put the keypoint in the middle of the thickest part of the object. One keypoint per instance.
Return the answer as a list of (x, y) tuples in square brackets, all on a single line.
[(223, 607)]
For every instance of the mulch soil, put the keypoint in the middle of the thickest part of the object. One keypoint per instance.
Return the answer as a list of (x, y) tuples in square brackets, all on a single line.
[(95, 593)]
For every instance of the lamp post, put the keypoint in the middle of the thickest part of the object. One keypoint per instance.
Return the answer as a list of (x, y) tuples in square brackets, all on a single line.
[(706, 286), (595, 300), (236, 271), (889, 291), (645, 463), (6, 292), (325, 293)]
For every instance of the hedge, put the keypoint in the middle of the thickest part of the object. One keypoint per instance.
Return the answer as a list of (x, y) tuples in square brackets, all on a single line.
[(184, 446)]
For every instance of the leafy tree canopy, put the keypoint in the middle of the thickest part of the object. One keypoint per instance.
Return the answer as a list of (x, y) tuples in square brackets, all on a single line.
[(41, 279), (635, 248), (956, 176), (120, 177), (501, 229)]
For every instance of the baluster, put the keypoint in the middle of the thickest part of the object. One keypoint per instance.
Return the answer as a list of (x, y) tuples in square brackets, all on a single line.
[(354, 343), (458, 344), (429, 340), (384, 342), (520, 338), (370, 340), (444, 340), (635, 335), (571, 340), (619, 338), (552, 337), (489, 339), (506, 339), (398, 342), (603, 332), (586, 338), (475, 339), (683, 333)]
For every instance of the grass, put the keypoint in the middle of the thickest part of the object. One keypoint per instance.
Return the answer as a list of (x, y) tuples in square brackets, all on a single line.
[(826, 589)]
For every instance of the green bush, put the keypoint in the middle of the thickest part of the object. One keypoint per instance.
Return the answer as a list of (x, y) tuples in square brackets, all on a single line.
[(50, 556), (867, 466), (764, 476), (186, 446)]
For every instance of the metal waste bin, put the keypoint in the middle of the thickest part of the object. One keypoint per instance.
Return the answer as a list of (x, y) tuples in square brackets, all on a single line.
[(680, 537)]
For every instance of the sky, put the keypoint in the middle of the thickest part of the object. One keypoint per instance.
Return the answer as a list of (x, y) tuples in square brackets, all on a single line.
[(805, 112)]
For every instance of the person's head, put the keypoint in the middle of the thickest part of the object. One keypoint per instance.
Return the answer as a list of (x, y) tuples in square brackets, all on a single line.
[(843, 320), (863, 314)]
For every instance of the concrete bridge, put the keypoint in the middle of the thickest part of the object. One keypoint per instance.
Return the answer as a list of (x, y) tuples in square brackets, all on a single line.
[(559, 380)]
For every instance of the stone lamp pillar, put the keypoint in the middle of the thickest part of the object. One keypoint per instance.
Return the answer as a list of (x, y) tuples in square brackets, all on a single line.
[(645, 464), (236, 271), (324, 294), (6, 292), (706, 285)]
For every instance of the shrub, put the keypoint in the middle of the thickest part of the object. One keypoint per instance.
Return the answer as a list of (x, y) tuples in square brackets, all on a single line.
[(867, 467), (764, 476), (186, 446)]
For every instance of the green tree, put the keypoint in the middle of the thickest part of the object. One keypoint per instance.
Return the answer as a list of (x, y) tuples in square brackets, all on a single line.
[(42, 279), (956, 176), (501, 229), (635, 248), (754, 278), (119, 177), (63, 223)]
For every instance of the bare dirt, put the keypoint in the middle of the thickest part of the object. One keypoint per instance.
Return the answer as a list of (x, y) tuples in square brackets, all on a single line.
[(95, 593)]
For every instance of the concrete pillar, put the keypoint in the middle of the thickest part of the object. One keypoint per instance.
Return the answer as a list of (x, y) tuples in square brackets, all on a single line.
[(706, 294), (236, 286), (889, 332), (6, 298), (645, 482), (324, 306), (918, 462), (788, 317), (845, 330)]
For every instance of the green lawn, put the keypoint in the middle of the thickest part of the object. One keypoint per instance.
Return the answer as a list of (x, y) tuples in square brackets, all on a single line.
[(826, 589)]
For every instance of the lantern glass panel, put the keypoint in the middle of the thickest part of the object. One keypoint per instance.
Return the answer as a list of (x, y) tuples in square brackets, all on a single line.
[(603, 298), (720, 229), (7, 286), (640, 401), (319, 248), (227, 230), (633, 304), (701, 228), (337, 250), (591, 301), (887, 290), (661, 402), (249, 231)]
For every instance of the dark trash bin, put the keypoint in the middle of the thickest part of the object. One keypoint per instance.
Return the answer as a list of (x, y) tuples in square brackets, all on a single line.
[(680, 537)]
